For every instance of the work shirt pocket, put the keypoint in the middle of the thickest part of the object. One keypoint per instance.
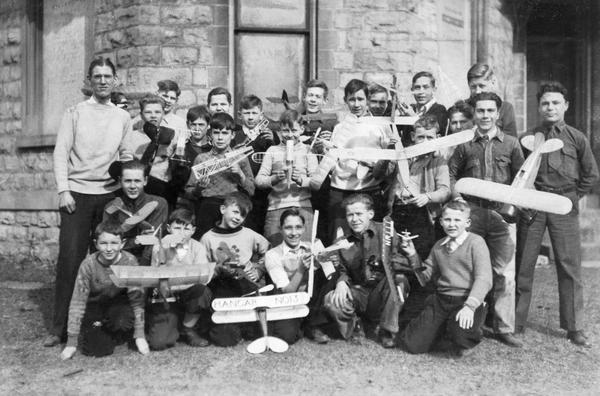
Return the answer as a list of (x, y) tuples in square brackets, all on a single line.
[(565, 161), (502, 169), (473, 168)]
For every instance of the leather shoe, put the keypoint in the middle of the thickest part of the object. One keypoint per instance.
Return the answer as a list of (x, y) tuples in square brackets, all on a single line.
[(51, 340), (509, 339), (387, 339), (579, 339), (193, 339), (463, 353), (318, 336)]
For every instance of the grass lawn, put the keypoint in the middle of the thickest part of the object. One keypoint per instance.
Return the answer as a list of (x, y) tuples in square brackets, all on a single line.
[(547, 365)]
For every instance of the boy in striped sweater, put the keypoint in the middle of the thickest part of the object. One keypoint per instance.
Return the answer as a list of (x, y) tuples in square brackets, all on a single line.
[(101, 311), (286, 170)]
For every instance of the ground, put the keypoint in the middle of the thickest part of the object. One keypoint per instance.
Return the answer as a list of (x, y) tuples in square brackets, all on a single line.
[(547, 365)]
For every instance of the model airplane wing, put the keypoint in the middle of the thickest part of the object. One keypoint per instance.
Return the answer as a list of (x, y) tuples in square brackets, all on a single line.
[(138, 276), (531, 143), (363, 153), (216, 165), (250, 303), (259, 157), (251, 315), (398, 120), (521, 197)]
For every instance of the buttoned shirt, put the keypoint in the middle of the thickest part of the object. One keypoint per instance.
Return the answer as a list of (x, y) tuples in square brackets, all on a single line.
[(498, 160), (571, 167), (459, 240)]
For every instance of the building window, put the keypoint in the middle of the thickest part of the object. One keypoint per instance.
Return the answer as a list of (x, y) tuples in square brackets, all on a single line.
[(274, 49)]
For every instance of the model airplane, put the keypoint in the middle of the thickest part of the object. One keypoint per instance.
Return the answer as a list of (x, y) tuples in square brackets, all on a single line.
[(400, 154), (216, 165), (521, 193), (263, 309)]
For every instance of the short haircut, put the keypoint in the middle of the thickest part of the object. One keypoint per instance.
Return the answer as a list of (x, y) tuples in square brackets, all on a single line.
[(221, 121), (134, 165), (218, 91), (480, 70), (109, 227), (101, 61), (182, 216), (358, 198), (116, 97), (459, 205), (354, 86), (486, 96), (427, 122), (288, 118), (424, 74), (291, 212), (200, 111), (318, 84), (461, 107), (169, 85), (241, 200), (250, 102), (151, 99), (552, 86), (375, 88)]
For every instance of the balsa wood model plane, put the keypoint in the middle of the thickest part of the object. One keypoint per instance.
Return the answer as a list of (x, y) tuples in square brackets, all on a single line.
[(216, 165), (521, 192)]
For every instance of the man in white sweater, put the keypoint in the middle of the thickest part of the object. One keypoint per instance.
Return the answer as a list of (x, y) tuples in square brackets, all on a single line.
[(90, 138)]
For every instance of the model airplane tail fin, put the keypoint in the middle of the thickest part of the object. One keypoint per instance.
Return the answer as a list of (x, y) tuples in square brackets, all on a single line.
[(523, 198), (531, 143)]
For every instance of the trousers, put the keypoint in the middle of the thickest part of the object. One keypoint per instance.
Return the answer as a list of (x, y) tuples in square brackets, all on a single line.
[(74, 241)]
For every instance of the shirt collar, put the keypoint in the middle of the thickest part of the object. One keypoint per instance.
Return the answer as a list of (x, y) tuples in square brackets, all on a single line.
[(93, 100), (287, 250), (370, 231), (425, 108), (495, 133), (214, 152), (459, 239)]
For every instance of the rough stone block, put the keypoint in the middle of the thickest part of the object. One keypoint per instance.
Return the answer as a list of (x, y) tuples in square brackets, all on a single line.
[(206, 56), (343, 60), (14, 72), (179, 55), (331, 4), (195, 36), (101, 43), (343, 20), (104, 22), (218, 35), (187, 15), (13, 90), (328, 39), (133, 56), (325, 60), (217, 76), (7, 218), (384, 79), (11, 54), (171, 35), (325, 19), (117, 38), (346, 77), (7, 144), (137, 15), (330, 77), (144, 35), (202, 94), (220, 55), (143, 79), (14, 36), (385, 21), (200, 76), (221, 15), (187, 99), (25, 218)]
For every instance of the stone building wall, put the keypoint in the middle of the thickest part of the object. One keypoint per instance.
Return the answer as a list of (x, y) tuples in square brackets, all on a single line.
[(28, 239)]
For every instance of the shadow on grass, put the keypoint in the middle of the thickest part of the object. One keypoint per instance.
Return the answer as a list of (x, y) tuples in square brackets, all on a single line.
[(44, 299)]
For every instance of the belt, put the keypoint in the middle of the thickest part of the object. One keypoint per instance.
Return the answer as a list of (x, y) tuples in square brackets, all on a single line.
[(482, 203), (557, 190)]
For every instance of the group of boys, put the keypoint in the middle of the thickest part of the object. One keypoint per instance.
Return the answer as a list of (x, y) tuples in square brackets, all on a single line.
[(462, 261)]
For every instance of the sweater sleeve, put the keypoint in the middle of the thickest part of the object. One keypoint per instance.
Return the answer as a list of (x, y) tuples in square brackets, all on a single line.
[(442, 182), (274, 267), (248, 182), (312, 163), (263, 177), (79, 299), (126, 151), (62, 149), (261, 246), (482, 270)]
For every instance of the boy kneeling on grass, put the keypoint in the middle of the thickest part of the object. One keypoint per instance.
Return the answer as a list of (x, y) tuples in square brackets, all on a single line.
[(179, 249), (459, 265), (104, 313), (240, 256)]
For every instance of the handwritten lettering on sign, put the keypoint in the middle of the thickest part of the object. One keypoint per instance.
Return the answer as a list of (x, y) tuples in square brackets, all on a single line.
[(247, 303)]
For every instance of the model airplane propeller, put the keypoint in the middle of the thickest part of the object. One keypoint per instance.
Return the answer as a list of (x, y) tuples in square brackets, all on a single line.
[(521, 193)]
